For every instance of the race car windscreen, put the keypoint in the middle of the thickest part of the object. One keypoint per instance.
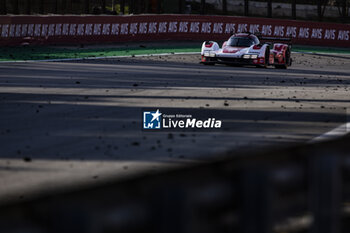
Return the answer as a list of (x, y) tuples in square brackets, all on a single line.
[(241, 41)]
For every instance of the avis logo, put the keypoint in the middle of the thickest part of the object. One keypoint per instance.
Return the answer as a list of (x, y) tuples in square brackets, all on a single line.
[(152, 120)]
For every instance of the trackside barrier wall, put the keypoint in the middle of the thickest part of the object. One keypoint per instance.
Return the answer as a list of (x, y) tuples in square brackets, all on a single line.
[(19, 30), (300, 189)]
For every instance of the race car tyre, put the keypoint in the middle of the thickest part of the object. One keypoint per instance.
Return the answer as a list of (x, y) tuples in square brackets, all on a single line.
[(267, 56), (207, 61), (287, 60)]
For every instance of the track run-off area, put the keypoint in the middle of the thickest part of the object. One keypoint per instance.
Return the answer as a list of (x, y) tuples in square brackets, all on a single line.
[(75, 123)]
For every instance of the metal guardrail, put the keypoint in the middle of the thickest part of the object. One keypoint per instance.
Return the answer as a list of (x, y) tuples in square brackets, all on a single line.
[(300, 189)]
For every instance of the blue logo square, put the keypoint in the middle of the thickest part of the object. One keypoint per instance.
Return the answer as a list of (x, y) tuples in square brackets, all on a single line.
[(152, 120)]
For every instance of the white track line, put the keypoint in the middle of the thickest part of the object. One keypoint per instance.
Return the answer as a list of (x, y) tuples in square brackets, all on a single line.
[(129, 56), (333, 134), (324, 53), (107, 57)]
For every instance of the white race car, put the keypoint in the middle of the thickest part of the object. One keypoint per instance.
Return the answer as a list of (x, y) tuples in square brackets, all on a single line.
[(247, 49)]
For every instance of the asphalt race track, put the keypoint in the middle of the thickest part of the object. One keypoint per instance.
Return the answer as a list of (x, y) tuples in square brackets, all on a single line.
[(67, 124)]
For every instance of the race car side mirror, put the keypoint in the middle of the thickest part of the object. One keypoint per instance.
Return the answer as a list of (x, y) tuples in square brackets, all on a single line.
[(257, 46)]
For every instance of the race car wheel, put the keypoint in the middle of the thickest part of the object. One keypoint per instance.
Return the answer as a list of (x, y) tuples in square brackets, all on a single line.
[(287, 57), (267, 56), (287, 61), (207, 61)]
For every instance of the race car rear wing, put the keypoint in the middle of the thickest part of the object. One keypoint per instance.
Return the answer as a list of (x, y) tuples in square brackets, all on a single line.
[(275, 39)]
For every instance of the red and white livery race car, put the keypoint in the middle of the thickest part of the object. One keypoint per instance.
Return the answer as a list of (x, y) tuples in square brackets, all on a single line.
[(248, 49)]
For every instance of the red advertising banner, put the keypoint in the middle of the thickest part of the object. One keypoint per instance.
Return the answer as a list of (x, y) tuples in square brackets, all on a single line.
[(17, 30)]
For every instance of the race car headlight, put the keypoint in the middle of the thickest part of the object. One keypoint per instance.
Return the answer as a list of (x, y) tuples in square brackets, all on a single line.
[(250, 56), (209, 54)]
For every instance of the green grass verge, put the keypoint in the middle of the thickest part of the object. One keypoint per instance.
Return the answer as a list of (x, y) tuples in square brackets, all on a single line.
[(56, 52), (45, 53), (316, 49)]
